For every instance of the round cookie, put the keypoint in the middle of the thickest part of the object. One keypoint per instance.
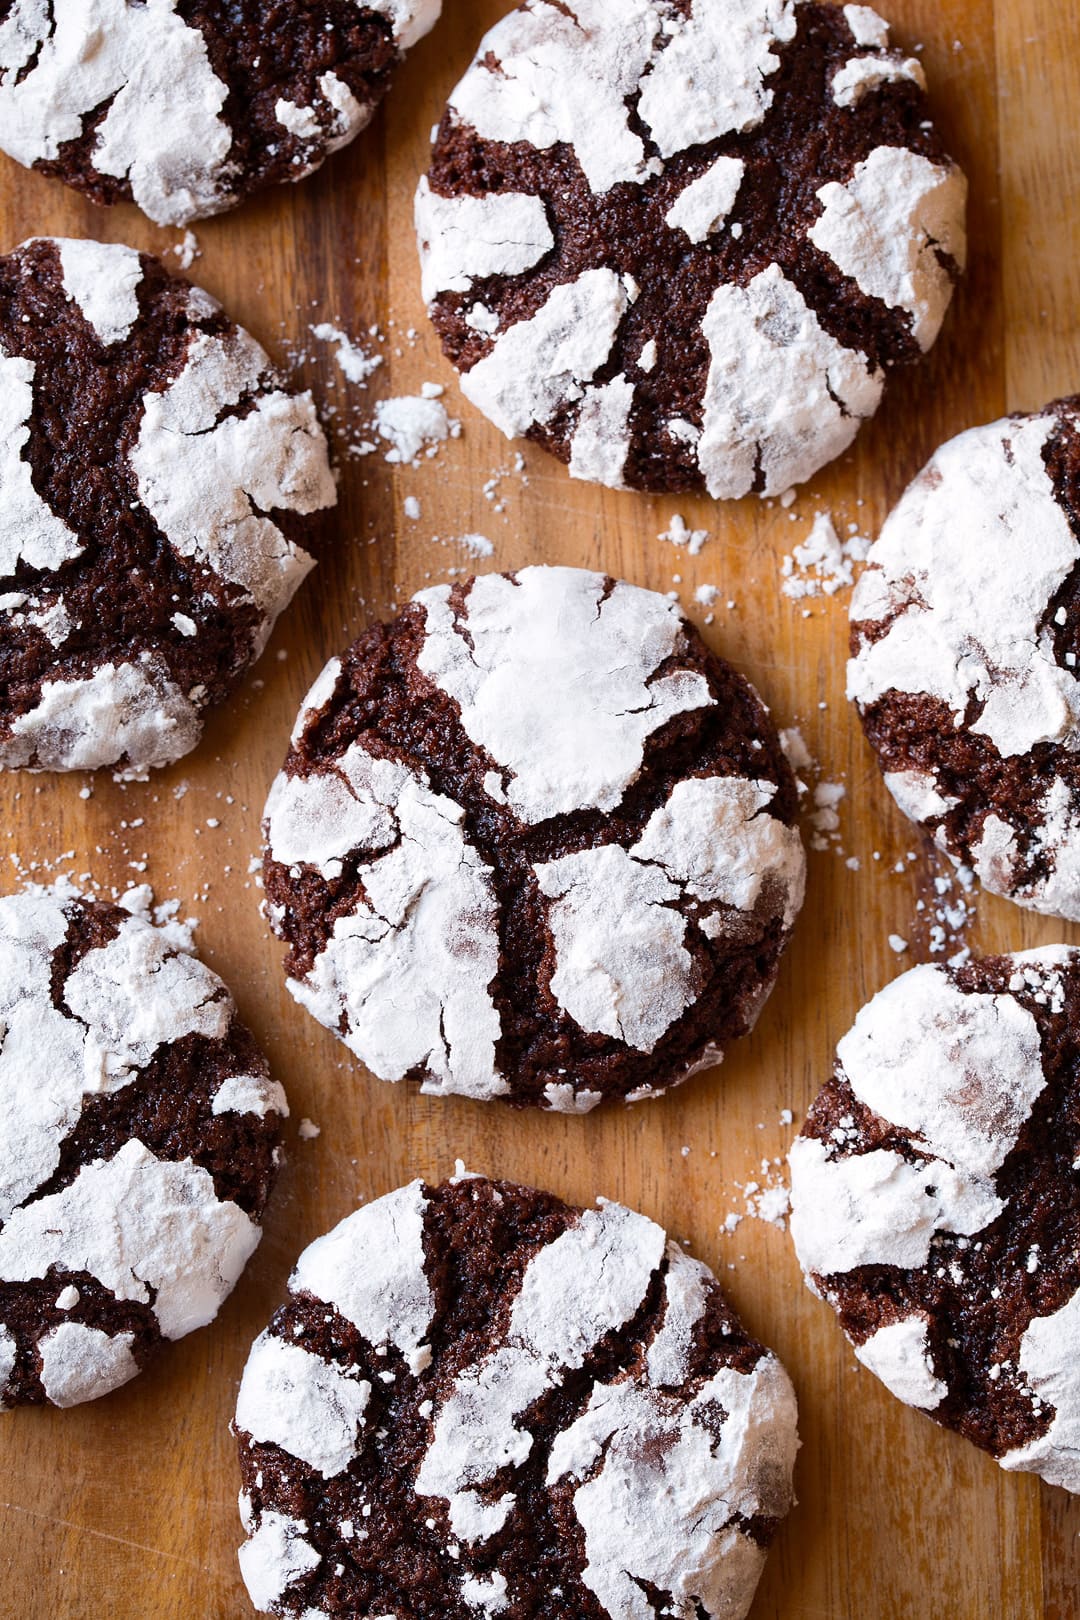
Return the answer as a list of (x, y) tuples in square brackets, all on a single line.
[(139, 1134), (478, 1401), (534, 841), (965, 630), (186, 107), (936, 1200), (679, 243), (155, 478)]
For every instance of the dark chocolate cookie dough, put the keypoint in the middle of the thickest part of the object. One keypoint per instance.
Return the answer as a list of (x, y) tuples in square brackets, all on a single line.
[(965, 631), (188, 106), (680, 242), (480, 1402), (534, 841), (138, 1145), (154, 481), (936, 1200)]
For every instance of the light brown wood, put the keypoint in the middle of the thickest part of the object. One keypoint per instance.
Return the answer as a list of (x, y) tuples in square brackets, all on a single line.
[(127, 1508)]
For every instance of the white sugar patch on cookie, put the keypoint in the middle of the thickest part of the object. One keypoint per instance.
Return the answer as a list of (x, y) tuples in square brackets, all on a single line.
[(410, 19), (876, 1208), (550, 73), (621, 966), (662, 1488), (958, 1070), (42, 1078), (899, 1354), (702, 206), (81, 1363), (30, 530), (371, 1268), (918, 795), (712, 77), (8, 1352), (103, 279), (601, 441), (137, 1223), (782, 397), (274, 1556), (528, 649), (292, 1398), (463, 239), (208, 479), (132, 710), (866, 26), (303, 122), (135, 994), (886, 226), (409, 966), (1047, 1363), (686, 1294), (715, 837), (162, 128), (250, 1094), (963, 574), (538, 365), (590, 1280), (862, 75)]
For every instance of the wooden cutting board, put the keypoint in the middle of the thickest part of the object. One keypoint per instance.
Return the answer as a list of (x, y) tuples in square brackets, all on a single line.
[(127, 1507)]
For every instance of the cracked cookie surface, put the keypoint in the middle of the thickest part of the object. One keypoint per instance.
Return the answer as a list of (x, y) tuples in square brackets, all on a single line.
[(139, 1130), (533, 841), (188, 106), (936, 1200), (680, 243), (155, 482), (965, 632), (479, 1401)]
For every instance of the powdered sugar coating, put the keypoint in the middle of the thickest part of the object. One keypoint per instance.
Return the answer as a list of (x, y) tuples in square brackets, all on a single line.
[(518, 664), (407, 969), (95, 1043), (168, 135), (781, 396), (103, 279), (372, 1269), (30, 531), (970, 1311), (209, 457), (900, 1356), (705, 203), (136, 1223), (619, 126), (561, 681), (660, 1466), (957, 605), (886, 227), (465, 238), (79, 1363), (537, 365)]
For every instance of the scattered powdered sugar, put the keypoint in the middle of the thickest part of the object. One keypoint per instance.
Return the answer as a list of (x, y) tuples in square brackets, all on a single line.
[(414, 425), (678, 533), (823, 563), (356, 362)]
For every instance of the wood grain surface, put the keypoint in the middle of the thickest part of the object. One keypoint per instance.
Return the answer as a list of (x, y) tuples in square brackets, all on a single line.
[(128, 1507)]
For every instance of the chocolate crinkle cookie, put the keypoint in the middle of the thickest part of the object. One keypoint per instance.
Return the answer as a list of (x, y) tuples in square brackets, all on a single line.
[(155, 479), (478, 1402), (534, 841), (965, 635), (186, 107), (936, 1201), (680, 243), (139, 1134)]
